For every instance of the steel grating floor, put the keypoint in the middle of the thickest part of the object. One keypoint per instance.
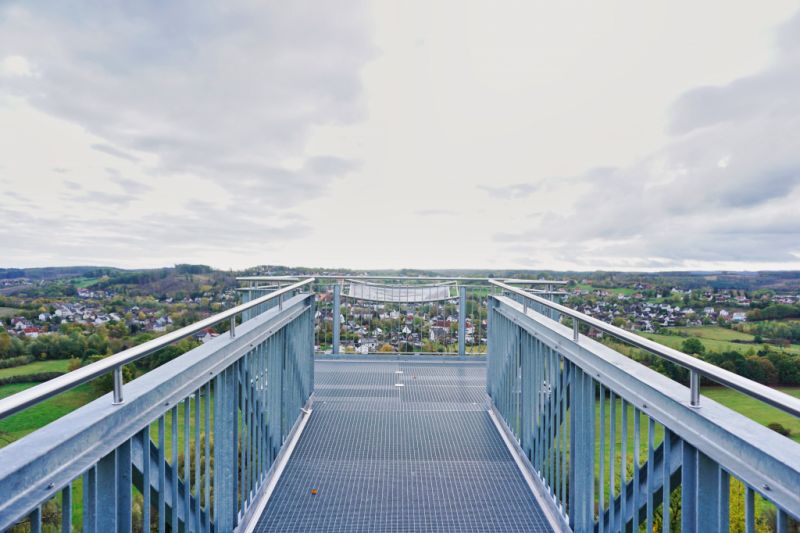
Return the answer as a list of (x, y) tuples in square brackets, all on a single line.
[(421, 457)]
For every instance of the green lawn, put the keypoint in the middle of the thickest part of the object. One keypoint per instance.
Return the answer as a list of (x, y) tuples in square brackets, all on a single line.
[(9, 311), (20, 424), (713, 344), (83, 282), (615, 291), (716, 333), (57, 365), (756, 410)]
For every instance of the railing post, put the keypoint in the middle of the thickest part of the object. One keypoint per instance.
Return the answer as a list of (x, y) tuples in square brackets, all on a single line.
[(337, 316), (576, 334), (118, 399), (694, 385), (462, 320), (233, 326)]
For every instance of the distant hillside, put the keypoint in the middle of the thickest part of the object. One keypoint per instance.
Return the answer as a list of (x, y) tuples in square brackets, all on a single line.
[(47, 273)]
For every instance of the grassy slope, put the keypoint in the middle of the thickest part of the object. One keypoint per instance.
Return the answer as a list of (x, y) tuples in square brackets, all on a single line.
[(713, 344), (58, 365), (756, 410), (9, 311), (18, 425), (716, 333)]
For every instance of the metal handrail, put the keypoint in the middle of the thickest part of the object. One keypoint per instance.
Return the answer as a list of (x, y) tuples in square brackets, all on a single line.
[(405, 278), (48, 389), (696, 367)]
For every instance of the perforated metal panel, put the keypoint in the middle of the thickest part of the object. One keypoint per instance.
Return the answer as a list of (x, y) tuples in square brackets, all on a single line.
[(423, 457)]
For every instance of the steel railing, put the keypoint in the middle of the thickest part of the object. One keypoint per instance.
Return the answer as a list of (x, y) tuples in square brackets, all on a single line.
[(116, 362), (610, 447), (695, 366), (197, 445)]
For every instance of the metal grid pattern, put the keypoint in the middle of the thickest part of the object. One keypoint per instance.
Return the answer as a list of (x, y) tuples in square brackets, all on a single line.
[(400, 293), (422, 457)]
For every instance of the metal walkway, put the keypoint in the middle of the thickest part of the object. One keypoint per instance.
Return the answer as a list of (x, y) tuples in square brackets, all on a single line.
[(423, 456)]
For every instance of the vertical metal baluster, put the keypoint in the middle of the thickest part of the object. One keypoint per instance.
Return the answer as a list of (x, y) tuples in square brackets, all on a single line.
[(551, 421), (162, 475), (564, 434), (124, 487), (207, 466), (724, 500), (233, 394), (637, 448), (602, 458), (254, 427), (707, 499), (689, 494), (145, 436), (175, 469), (623, 470), (36, 520), (666, 472), (651, 435), (197, 475), (612, 459), (782, 524), (90, 500), (187, 463), (219, 447), (749, 510), (66, 508), (590, 412), (541, 411), (257, 430), (243, 388), (107, 492), (558, 429)]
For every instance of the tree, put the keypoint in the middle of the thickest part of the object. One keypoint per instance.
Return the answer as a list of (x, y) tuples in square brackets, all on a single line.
[(693, 346)]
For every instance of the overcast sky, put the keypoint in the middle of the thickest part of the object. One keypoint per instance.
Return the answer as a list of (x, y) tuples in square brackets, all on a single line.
[(428, 134)]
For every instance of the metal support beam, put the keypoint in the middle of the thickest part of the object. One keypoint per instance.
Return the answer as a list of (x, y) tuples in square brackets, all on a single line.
[(462, 320), (337, 316)]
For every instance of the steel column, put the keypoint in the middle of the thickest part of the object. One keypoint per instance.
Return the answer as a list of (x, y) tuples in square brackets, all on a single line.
[(337, 316), (462, 320)]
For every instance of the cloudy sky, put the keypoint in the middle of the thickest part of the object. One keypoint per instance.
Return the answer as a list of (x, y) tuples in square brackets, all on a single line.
[(527, 134)]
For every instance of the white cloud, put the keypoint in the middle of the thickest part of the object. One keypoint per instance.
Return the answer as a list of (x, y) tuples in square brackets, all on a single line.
[(392, 134), (685, 203), (16, 66)]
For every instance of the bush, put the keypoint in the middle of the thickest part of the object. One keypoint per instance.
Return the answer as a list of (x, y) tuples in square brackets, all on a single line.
[(693, 346), (779, 428), (30, 378), (16, 361)]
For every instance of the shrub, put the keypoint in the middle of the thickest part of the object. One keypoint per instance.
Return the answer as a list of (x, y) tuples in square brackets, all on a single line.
[(16, 361), (30, 378), (779, 428)]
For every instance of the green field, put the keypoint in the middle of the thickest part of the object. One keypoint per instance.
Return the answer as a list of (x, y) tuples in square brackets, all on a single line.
[(20, 424), (715, 333), (715, 339), (58, 365), (9, 311), (756, 410), (617, 290)]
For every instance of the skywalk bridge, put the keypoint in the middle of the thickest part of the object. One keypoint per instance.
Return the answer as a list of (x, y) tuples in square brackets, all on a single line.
[(548, 431)]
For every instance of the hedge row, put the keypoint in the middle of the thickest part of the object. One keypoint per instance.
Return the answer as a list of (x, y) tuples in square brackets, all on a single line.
[(17, 361), (30, 378)]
